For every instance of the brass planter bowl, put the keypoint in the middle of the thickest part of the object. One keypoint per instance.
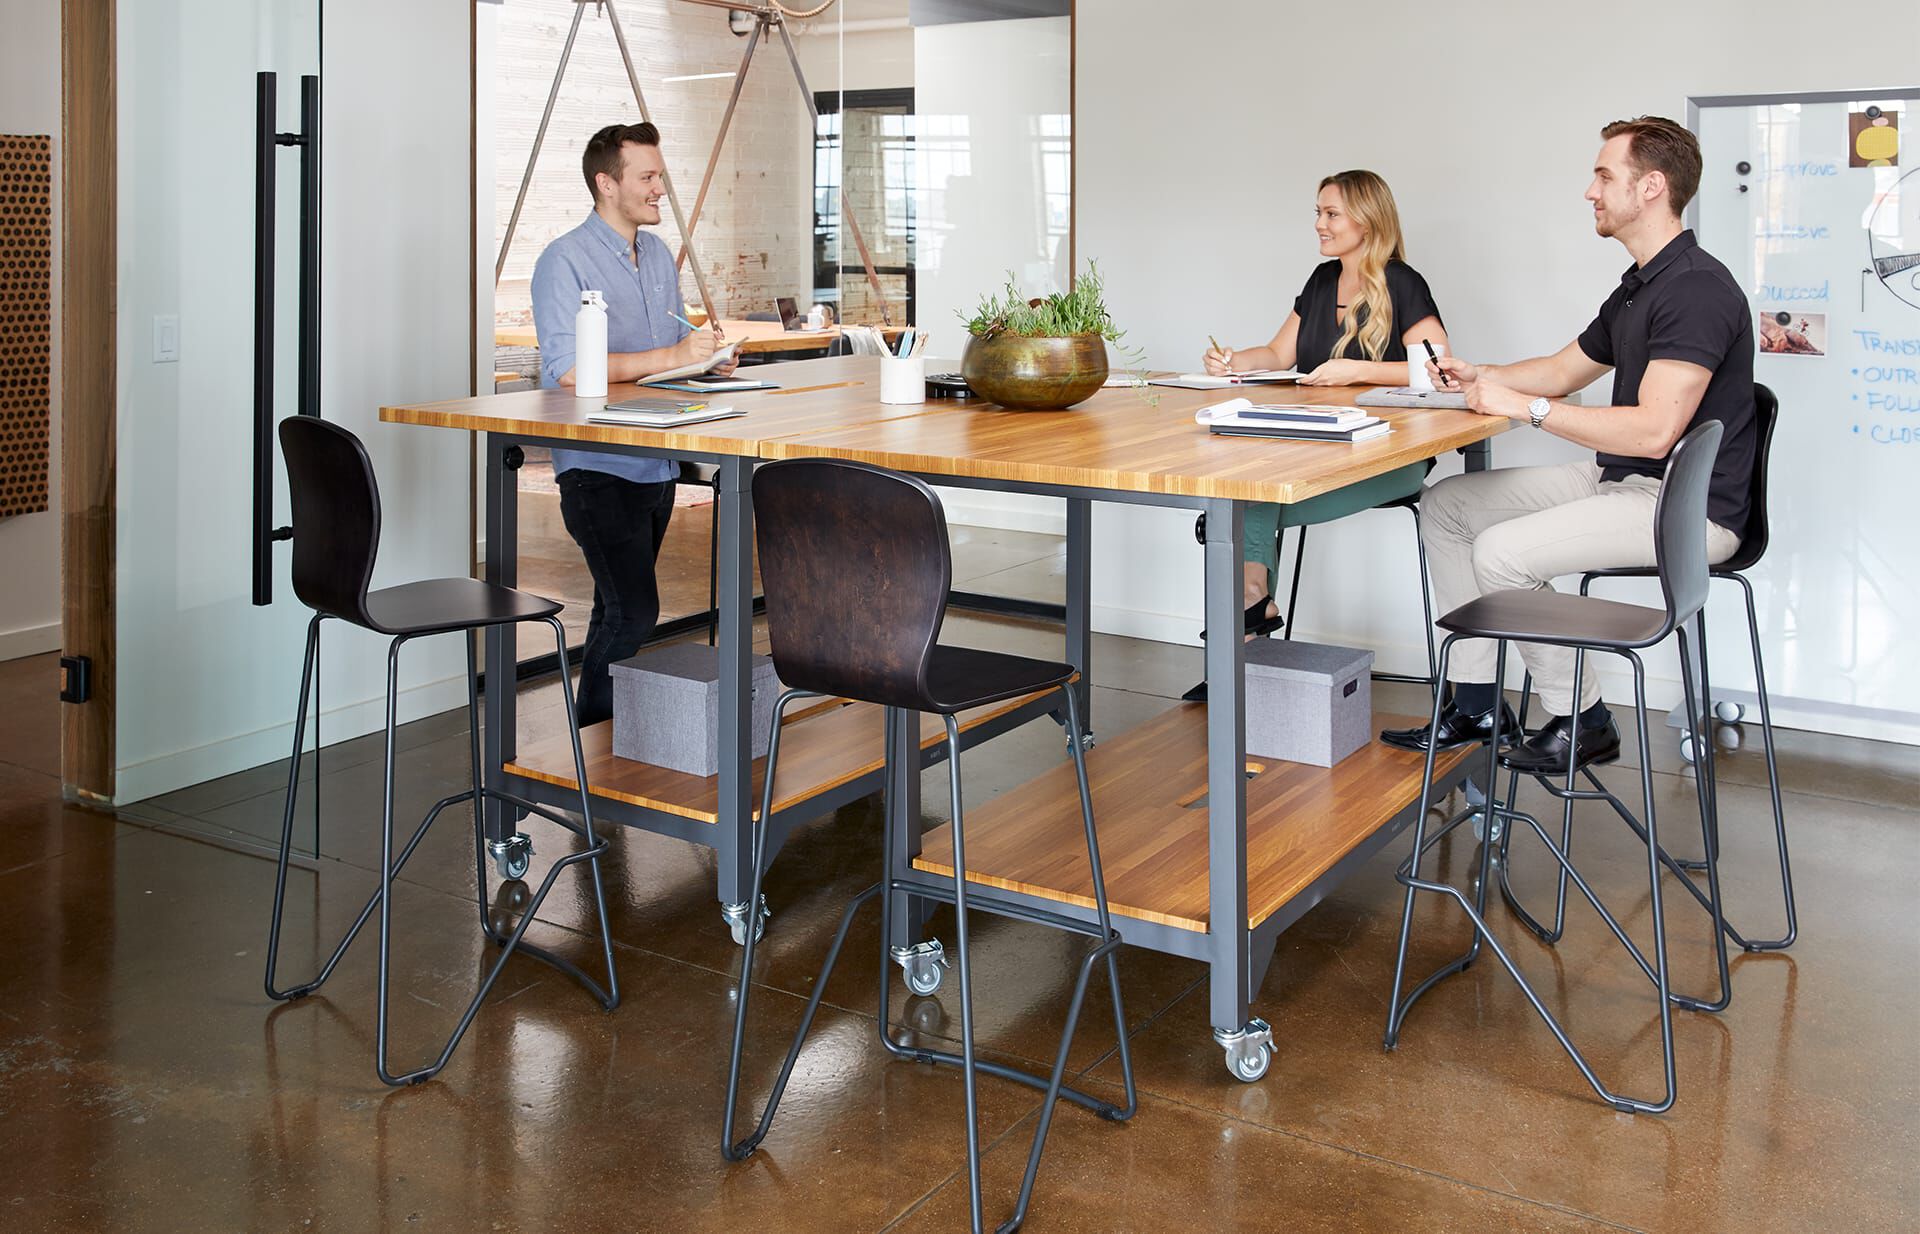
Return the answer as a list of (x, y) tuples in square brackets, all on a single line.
[(1035, 374)]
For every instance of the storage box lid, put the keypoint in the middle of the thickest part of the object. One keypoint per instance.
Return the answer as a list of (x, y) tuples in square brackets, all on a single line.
[(693, 663), (1309, 662)]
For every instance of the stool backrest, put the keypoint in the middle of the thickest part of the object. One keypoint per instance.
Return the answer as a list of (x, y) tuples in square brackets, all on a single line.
[(1753, 542), (855, 567), (1680, 523), (336, 516)]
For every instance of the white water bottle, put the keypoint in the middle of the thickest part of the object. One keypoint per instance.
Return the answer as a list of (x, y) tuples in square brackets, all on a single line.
[(590, 347)]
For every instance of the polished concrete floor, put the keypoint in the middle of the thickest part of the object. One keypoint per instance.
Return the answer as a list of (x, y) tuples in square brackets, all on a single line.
[(146, 1083)]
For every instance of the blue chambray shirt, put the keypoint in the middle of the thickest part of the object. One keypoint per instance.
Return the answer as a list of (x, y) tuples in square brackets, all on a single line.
[(640, 304)]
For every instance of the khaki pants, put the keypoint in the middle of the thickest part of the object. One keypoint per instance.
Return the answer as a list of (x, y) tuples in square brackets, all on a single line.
[(1519, 528)]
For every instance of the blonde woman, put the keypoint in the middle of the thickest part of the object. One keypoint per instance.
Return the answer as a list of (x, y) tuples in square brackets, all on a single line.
[(1352, 324)]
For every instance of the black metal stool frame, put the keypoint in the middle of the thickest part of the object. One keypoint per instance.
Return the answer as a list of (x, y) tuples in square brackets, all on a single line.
[(1568, 795), (607, 996), (961, 898)]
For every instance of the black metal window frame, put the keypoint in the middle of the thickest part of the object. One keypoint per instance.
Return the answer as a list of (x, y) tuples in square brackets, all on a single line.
[(828, 270)]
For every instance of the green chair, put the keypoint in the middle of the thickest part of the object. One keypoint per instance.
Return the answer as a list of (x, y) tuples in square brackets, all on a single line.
[(1266, 528)]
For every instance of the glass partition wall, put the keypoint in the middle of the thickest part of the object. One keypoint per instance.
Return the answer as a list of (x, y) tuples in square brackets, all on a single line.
[(933, 134)]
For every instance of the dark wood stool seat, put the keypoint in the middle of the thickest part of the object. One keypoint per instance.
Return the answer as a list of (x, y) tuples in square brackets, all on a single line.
[(963, 677), (1558, 618), (440, 605)]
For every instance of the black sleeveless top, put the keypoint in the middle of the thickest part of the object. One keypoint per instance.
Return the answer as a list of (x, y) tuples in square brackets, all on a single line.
[(1320, 318)]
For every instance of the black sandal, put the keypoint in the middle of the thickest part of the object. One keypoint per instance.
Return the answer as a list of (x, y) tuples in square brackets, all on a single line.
[(1258, 622)]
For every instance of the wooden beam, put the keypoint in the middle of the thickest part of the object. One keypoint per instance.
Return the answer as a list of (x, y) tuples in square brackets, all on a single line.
[(88, 215)]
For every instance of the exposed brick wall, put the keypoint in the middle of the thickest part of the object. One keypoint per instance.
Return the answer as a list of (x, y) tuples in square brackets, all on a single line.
[(754, 236)]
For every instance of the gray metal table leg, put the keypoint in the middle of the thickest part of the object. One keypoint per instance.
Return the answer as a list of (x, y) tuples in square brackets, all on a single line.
[(1079, 602), (502, 499), (1244, 1039), (735, 825), (907, 914)]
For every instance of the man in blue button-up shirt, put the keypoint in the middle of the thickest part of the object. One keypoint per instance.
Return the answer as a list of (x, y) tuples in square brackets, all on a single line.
[(616, 507)]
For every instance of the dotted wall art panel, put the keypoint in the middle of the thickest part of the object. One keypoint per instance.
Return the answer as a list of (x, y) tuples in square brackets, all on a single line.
[(26, 321)]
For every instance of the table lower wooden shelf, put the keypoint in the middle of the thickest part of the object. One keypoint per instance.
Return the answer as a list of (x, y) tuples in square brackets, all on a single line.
[(821, 748), (1149, 802)]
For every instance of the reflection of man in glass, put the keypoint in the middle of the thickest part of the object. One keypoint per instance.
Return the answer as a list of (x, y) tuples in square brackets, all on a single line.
[(616, 507)]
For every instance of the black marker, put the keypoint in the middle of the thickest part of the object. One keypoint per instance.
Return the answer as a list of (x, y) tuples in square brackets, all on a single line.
[(1433, 356)]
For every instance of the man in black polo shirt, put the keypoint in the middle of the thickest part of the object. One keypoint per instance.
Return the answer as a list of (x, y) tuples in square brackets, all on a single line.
[(1678, 335)]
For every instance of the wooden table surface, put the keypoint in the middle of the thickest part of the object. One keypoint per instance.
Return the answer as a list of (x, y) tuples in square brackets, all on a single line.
[(753, 336), (1129, 440), (1143, 441), (814, 396)]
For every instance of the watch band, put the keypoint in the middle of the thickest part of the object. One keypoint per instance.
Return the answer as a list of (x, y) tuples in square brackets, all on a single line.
[(1537, 411)]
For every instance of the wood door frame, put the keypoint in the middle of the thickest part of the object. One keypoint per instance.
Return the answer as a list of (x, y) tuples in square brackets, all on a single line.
[(88, 358)]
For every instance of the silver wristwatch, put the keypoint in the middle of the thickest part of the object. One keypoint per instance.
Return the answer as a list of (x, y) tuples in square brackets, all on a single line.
[(1537, 411)]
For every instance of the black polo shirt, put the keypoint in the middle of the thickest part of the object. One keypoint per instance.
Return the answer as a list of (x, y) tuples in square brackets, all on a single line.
[(1684, 305), (1320, 318)]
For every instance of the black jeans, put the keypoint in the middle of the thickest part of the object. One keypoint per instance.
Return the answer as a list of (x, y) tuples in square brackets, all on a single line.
[(619, 525)]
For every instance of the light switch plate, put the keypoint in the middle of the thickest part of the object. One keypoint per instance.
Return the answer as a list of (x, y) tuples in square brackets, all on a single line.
[(166, 340)]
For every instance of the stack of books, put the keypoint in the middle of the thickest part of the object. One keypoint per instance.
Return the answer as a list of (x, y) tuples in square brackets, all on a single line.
[(1295, 422)]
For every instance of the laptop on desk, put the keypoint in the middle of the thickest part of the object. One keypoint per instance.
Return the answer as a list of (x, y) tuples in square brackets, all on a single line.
[(790, 318)]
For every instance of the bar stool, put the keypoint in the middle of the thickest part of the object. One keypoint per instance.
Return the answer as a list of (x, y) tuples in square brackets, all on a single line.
[(1753, 546), (1398, 489), (336, 521), (856, 569), (1585, 624)]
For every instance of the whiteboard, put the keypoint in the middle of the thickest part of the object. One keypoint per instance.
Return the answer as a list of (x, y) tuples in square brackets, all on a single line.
[(1822, 229)]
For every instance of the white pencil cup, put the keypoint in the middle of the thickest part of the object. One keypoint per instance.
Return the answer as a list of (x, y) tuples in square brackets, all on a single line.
[(903, 379), (1417, 376)]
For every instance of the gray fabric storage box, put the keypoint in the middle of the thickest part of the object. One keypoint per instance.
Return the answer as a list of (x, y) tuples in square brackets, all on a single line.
[(666, 707), (1307, 703)]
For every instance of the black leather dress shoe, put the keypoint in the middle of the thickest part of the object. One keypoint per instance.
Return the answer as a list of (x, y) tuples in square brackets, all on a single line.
[(1545, 752), (1457, 729)]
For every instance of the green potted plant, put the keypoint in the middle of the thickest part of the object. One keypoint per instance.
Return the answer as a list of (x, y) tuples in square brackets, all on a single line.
[(1040, 355)]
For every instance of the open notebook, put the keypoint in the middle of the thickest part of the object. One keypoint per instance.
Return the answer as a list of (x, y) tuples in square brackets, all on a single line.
[(1207, 381), (719, 357)]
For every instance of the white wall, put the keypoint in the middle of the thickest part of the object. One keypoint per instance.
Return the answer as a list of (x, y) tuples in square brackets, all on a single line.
[(30, 543), (206, 681), (1202, 140)]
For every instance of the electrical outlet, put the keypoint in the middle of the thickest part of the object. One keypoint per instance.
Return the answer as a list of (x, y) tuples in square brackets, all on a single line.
[(166, 340)]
